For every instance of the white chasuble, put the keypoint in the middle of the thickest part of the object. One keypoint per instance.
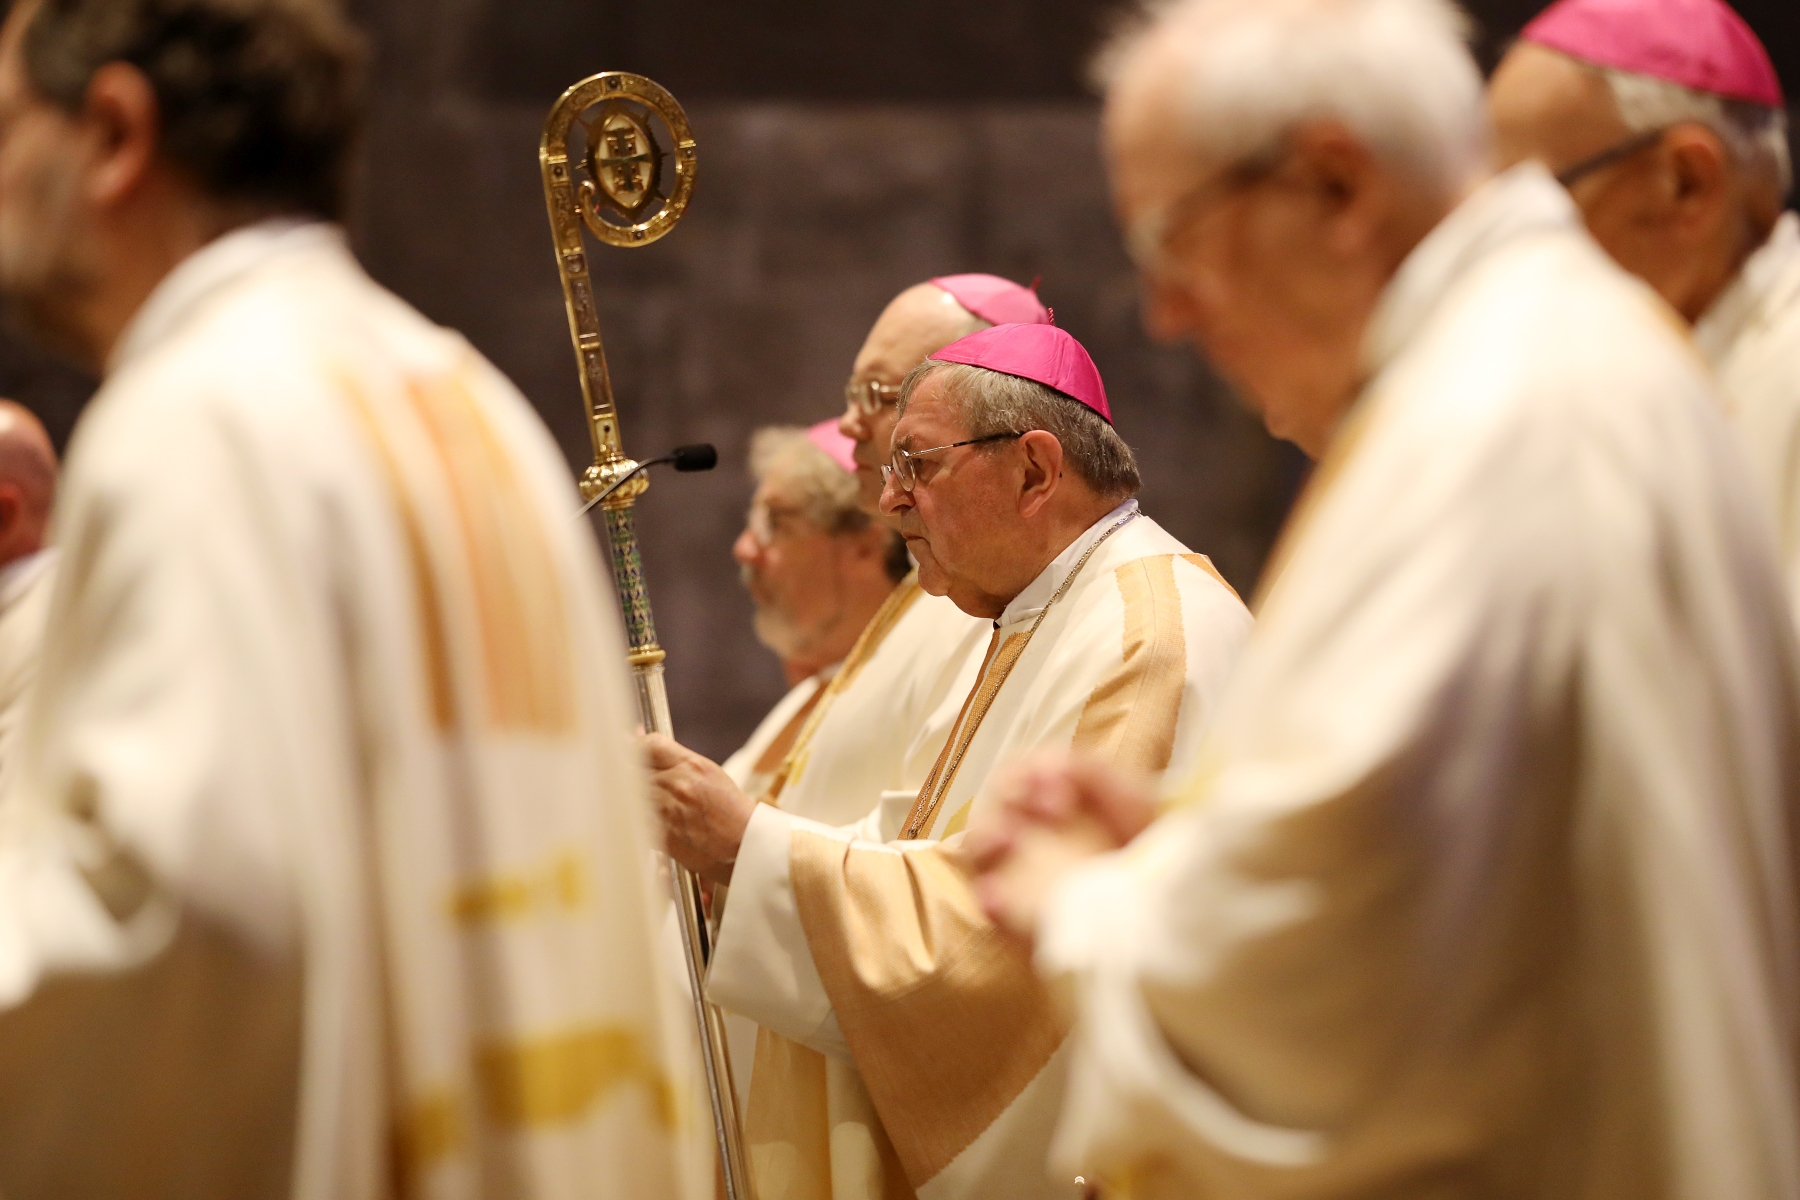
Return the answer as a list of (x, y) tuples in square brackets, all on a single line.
[(870, 739), (1484, 886), (865, 942), (327, 873), (1751, 335)]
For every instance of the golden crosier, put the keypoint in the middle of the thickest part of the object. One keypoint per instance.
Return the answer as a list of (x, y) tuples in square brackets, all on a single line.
[(622, 202)]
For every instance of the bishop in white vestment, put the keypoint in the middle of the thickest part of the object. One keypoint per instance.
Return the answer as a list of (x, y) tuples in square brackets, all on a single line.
[(863, 942)]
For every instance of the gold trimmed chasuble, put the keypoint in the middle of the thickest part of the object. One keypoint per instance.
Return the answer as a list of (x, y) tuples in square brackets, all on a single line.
[(870, 948)]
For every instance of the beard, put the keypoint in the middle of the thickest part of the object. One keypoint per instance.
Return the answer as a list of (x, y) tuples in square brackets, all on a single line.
[(775, 624)]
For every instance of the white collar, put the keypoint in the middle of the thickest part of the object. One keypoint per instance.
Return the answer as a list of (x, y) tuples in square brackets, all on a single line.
[(214, 266), (17, 576), (1762, 288), (1520, 202), (1029, 603)]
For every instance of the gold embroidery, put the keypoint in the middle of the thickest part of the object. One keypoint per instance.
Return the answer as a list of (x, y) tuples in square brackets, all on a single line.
[(518, 593), (559, 884), (899, 601), (1130, 717), (944, 1016), (429, 606), (558, 1079)]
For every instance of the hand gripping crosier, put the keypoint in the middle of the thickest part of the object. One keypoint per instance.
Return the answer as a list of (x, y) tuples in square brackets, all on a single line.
[(622, 203)]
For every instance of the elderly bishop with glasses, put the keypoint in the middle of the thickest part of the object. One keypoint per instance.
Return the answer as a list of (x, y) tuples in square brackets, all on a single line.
[(1666, 122), (1107, 636)]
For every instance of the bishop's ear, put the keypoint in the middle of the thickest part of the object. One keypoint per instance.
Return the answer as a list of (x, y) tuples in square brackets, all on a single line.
[(121, 113), (1043, 468)]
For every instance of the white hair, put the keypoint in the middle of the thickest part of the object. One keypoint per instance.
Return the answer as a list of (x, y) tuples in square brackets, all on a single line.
[(1755, 136), (1397, 73)]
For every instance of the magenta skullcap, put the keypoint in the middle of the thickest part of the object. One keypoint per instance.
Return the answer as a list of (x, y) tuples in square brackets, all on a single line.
[(1702, 45), (995, 300), (1043, 353), (826, 436)]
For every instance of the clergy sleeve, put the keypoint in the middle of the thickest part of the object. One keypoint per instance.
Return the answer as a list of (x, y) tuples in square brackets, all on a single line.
[(761, 967)]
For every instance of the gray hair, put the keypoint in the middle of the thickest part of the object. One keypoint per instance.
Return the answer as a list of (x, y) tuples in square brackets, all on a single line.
[(1754, 136), (992, 402), (1397, 73), (825, 491)]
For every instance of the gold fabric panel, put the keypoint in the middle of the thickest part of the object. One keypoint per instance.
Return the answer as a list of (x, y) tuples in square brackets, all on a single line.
[(1001, 658), (551, 1080), (946, 1019), (1129, 719), (812, 1131), (429, 606), (905, 594), (518, 593)]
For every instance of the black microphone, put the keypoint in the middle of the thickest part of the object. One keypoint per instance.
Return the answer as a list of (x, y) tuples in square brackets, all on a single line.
[(699, 457)]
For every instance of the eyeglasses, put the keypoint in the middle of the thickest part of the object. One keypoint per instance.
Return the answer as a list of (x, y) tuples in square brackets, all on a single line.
[(905, 465), (766, 523), (870, 396), (1606, 158), (1148, 242)]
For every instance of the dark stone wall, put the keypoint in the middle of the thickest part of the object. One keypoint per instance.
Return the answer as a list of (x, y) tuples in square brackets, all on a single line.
[(847, 149)]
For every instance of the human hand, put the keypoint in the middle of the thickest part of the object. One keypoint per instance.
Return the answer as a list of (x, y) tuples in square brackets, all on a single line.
[(703, 813), (1050, 813)]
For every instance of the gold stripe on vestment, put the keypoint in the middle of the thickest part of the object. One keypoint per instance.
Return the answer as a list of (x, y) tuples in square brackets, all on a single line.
[(518, 592), (1130, 716), (944, 1016), (428, 605), (994, 671), (558, 1079)]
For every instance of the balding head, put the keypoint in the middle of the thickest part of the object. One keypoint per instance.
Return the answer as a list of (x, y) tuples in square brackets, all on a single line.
[(27, 482), (918, 322), (1680, 187)]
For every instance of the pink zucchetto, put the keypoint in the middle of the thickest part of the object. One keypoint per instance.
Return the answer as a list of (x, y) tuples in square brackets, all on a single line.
[(995, 300), (1042, 353), (836, 446), (1702, 45)]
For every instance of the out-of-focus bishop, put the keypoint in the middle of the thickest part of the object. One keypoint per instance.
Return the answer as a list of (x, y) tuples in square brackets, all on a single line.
[(324, 872), (864, 941), (1666, 121), (27, 565), (871, 737), (1485, 883)]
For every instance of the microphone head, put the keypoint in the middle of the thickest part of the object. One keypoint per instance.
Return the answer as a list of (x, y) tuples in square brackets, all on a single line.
[(701, 457)]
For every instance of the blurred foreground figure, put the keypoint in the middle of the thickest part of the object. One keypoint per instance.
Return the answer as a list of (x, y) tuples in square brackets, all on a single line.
[(1666, 121), (871, 738), (1485, 884), (865, 941), (27, 565), (324, 874)]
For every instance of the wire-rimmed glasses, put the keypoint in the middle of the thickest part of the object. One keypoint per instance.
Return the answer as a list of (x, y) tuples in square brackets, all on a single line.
[(870, 396), (905, 464)]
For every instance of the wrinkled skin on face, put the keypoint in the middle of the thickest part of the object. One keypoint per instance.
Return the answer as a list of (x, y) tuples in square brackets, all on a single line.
[(919, 321), (1273, 280), (1676, 214), (46, 159)]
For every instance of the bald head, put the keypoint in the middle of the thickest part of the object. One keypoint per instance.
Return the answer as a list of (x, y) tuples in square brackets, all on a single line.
[(918, 322), (27, 482), (1679, 187)]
